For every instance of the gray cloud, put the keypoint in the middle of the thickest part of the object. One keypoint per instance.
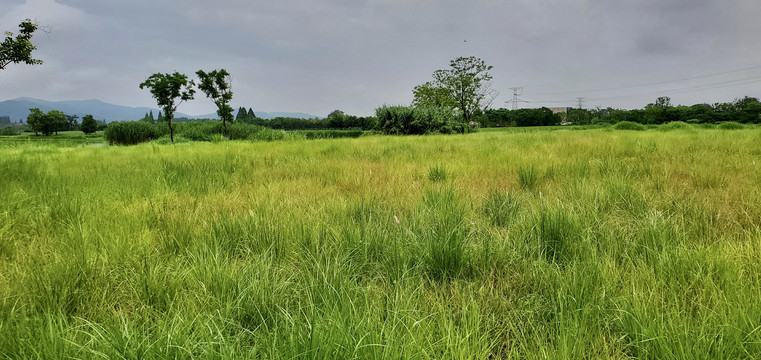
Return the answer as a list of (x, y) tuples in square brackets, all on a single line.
[(352, 55)]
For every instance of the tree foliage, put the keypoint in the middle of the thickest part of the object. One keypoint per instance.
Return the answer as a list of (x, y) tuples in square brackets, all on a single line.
[(18, 49), (404, 120), (47, 124), (89, 125), (217, 87), (465, 86), (169, 90)]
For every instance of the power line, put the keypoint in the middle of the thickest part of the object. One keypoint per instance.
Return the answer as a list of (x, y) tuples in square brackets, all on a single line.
[(688, 89), (657, 83)]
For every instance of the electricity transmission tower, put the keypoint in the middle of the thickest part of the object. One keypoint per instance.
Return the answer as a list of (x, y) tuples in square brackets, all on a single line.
[(581, 102), (515, 96)]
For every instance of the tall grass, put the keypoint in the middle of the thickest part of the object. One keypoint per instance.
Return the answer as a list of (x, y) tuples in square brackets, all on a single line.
[(611, 244)]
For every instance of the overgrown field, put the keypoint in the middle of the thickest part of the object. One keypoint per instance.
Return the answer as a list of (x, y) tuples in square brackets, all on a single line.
[(562, 244)]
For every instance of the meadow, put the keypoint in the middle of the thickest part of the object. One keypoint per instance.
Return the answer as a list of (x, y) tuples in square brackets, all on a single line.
[(595, 243)]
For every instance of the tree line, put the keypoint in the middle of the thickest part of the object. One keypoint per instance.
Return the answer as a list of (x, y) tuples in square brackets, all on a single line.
[(745, 110), (55, 121)]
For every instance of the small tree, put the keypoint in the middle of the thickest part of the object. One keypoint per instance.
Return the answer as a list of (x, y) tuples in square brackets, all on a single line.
[(35, 120), (58, 121), (72, 122), (19, 49), (216, 85), (241, 113), (336, 119), (89, 125), (167, 89), (465, 85)]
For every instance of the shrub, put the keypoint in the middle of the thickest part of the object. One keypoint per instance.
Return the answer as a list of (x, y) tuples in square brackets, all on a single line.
[(267, 134), (133, 132), (674, 125), (628, 125), (331, 134), (403, 120), (212, 130), (242, 131), (731, 125), (199, 130), (394, 120), (11, 130)]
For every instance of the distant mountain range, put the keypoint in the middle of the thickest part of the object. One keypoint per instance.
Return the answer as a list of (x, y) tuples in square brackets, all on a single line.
[(18, 109)]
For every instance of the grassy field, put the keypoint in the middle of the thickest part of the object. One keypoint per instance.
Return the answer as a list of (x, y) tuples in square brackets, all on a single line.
[(541, 244)]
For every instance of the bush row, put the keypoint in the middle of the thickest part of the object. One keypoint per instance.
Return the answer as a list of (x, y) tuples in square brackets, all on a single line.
[(404, 120), (330, 134), (134, 132)]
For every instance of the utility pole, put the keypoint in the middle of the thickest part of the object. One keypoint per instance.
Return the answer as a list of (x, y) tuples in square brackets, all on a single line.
[(581, 102), (515, 96)]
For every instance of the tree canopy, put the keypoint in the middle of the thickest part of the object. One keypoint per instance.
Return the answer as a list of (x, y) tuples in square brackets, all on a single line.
[(18, 49), (49, 123), (169, 90), (217, 87), (89, 125), (465, 86)]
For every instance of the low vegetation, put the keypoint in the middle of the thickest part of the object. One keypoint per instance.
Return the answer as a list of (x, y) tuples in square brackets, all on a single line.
[(516, 244)]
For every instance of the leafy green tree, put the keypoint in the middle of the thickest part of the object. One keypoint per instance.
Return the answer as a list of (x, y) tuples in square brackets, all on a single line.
[(216, 85), (251, 114), (336, 119), (89, 125), (748, 110), (35, 120), (47, 124), (431, 95), (464, 85), (72, 122), (14, 50), (169, 90), (241, 114), (58, 121)]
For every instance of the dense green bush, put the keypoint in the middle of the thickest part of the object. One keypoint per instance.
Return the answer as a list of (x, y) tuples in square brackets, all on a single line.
[(134, 132), (11, 130), (243, 131), (267, 134), (331, 134), (628, 125), (404, 120), (731, 125), (674, 125), (209, 130), (198, 130)]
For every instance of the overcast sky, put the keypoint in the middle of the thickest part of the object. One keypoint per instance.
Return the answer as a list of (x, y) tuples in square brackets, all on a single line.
[(354, 55)]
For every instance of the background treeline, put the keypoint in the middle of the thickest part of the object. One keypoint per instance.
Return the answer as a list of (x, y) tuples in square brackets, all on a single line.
[(745, 110), (336, 120)]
